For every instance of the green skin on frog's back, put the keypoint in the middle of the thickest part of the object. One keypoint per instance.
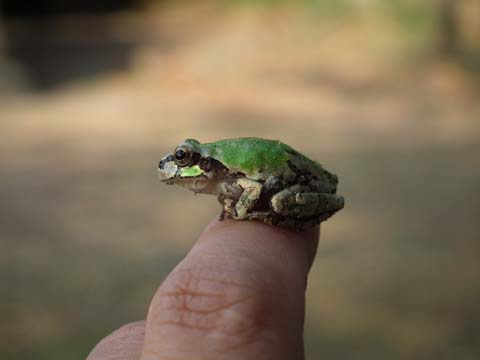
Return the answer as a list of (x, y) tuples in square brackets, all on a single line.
[(257, 158), (255, 179)]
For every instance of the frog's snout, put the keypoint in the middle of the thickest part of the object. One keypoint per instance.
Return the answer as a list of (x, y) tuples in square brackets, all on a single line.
[(164, 161), (167, 169)]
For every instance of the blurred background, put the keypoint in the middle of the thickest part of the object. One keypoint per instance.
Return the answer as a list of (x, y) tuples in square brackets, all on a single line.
[(383, 93)]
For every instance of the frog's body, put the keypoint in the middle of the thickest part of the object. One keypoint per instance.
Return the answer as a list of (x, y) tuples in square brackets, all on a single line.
[(255, 179)]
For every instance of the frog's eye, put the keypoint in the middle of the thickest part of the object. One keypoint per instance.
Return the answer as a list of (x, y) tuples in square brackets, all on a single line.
[(184, 156)]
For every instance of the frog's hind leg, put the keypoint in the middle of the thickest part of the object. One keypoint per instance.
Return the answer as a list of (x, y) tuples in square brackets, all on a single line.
[(296, 224), (299, 202)]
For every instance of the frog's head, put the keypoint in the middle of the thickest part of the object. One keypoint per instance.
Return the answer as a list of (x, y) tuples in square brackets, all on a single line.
[(181, 167)]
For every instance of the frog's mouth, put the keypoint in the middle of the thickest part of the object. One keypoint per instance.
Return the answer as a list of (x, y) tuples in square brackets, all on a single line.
[(191, 178)]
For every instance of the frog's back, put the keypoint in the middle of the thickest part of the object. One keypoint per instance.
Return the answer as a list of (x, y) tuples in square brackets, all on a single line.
[(259, 158)]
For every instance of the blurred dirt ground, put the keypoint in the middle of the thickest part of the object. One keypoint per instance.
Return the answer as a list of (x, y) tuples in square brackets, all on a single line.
[(88, 232)]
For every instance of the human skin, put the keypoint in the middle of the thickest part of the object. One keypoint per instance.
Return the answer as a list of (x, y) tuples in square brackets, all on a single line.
[(238, 294)]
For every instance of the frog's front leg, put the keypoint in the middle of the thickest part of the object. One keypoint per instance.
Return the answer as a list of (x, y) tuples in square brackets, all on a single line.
[(250, 195), (227, 207), (299, 201)]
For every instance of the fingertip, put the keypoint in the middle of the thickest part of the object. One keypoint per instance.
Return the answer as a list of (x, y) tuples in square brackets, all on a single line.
[(306, 240), (236, 226)]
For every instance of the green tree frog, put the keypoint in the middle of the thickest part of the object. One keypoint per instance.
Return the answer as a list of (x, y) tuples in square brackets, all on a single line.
[(255, 179)]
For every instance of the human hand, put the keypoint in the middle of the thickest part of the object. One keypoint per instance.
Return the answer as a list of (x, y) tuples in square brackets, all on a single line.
[(238, 294)]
